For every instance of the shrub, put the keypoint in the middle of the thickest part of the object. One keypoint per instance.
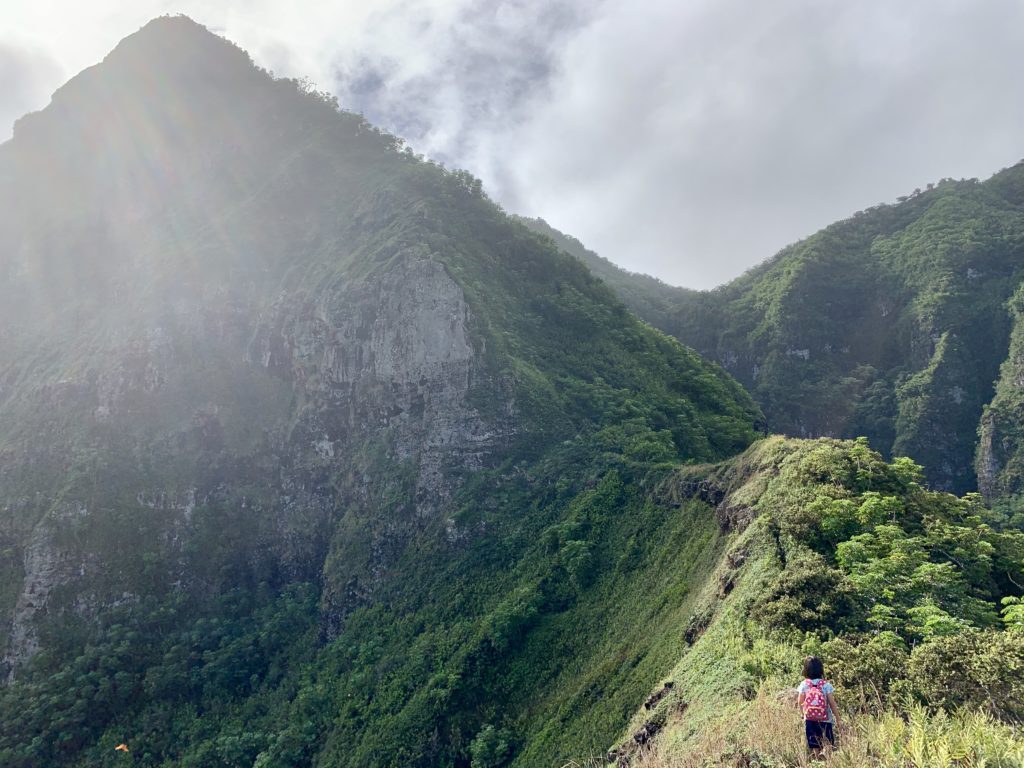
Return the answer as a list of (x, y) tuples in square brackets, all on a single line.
[(809, 595), (980, 670), (492, 748), (868, 666), (1013, 613)]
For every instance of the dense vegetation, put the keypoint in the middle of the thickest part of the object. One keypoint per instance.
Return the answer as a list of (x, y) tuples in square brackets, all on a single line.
[(538, 633), (1000, 460), (646, 296), (901, 324), (911, 596)]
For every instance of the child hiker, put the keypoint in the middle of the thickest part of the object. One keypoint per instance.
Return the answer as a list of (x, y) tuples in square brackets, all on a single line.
[(817, 701)]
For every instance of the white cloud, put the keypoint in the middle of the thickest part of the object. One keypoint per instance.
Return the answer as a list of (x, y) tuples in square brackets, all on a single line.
[(693, 141)]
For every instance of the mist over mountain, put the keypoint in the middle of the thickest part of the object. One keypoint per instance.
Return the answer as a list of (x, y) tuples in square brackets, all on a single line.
[(312, 456)]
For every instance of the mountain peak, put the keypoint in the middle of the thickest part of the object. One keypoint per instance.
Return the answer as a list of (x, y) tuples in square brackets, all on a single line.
[(178, 43), (250, 347), (171, 58)]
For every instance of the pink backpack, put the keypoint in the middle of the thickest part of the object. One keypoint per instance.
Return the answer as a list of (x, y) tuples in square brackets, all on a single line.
[(815, 704)]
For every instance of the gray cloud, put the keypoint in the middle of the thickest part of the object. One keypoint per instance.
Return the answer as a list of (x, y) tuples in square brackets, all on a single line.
[(446, 81), (694, 140), (688, 139)]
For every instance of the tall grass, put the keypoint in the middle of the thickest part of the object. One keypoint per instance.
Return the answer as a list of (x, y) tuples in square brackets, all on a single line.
[(769, 734)]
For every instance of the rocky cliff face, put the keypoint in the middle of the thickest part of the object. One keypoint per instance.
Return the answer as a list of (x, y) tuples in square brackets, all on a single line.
[(1000, 457), (290, 418), (380, 372), (187, 362), (389, 356), (385, 371)]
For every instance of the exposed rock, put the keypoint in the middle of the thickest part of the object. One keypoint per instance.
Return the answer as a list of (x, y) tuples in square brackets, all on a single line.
[(733, 517), (736, 558), (726, 583), (697, 624), (649, 730), (654, 698), (391, 357), (986, 465), (702, 489), (620, 756), (46, 566), (141, 364)]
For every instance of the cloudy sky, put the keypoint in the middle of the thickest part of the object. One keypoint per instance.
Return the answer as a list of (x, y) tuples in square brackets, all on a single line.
[(689, 139)]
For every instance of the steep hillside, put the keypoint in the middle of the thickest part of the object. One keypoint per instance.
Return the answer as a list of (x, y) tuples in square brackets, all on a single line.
[(912, 597), (309, 455), (1000, 459), (891, 324)]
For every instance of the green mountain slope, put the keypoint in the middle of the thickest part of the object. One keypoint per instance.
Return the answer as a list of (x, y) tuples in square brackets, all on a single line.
[(309, 455), (911, 597), (648, 298), (891, 324)]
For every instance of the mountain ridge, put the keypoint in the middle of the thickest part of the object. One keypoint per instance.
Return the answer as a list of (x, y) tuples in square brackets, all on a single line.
[(890, 324), (309, 419)]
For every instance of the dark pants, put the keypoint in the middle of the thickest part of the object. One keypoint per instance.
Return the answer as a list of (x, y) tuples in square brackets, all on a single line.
[(819, 734)]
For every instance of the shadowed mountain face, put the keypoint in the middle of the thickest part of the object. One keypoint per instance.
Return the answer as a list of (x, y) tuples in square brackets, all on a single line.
[(892, 324), (308, 453)]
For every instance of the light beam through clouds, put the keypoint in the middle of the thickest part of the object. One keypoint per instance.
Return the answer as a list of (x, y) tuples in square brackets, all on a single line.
[(687, 139)]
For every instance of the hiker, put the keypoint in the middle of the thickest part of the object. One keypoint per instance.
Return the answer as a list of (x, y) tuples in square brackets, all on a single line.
[(816, 698)]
